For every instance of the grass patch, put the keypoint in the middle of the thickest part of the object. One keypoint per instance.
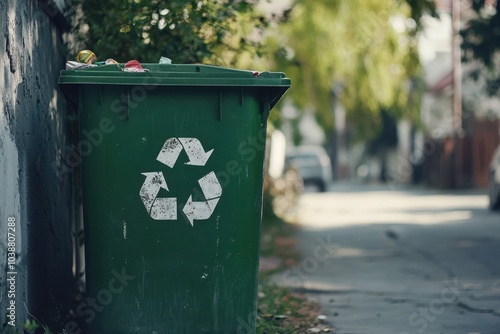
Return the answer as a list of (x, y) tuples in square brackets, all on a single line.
[(282, 311), (279, 309)]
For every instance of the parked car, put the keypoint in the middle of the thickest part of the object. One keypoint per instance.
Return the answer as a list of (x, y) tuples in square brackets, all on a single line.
[(494, 184), (313, 165)]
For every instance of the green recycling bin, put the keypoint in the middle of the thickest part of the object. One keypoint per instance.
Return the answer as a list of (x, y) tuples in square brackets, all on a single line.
[(172, 173)]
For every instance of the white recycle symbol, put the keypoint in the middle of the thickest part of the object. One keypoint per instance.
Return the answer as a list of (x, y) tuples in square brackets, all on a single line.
[(166, 208)]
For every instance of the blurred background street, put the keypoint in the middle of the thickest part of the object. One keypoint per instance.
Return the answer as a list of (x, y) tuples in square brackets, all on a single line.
[(405, 260)]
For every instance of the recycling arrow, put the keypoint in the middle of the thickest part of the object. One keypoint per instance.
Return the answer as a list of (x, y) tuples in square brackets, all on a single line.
[(158, 208), (210, 186), (166, 208), (202, 210), (194, 150), (199, 210)]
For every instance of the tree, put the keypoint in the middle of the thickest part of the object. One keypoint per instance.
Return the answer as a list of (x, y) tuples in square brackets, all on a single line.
[(481, 41), (368, 47), (193, 31), (352, 43)]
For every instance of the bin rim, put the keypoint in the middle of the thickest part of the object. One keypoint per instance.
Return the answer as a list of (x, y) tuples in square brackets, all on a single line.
[(173, 75)]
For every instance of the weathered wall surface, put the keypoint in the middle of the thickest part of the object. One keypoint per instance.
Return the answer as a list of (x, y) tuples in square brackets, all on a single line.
[(33, 135)]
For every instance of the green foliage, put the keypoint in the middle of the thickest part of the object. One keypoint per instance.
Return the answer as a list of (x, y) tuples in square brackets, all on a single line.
[(354, 45), (419, 8), (30, 325), (185, 31), (481, 41)]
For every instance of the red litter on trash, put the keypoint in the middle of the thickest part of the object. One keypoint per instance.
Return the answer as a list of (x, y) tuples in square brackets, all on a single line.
[(134, 66)]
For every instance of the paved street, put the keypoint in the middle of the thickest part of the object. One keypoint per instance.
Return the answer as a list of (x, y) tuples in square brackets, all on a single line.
[(401, 261)]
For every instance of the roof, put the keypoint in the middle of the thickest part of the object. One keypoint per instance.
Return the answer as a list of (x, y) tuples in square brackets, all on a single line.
[(445, 81)]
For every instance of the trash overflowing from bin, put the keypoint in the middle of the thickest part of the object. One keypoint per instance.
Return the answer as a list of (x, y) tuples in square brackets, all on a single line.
[(87, 59), (110, 61), (165, 60), (75, 65), (134, 66)]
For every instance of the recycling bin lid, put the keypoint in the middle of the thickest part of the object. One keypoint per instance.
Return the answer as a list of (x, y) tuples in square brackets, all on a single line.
[(173, 75), (196, 75)]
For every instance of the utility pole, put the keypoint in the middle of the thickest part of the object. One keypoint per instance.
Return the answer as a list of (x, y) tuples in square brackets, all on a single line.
[(457, 67), (457, 91), (342, 155)]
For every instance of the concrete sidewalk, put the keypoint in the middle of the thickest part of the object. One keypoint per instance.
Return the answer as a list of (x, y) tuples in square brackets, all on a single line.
[(404, 261)]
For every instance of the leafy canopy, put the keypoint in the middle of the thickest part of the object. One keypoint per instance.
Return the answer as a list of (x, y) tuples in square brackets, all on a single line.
[(185, 31), (481, 40), (354, 45), (364, 51)]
